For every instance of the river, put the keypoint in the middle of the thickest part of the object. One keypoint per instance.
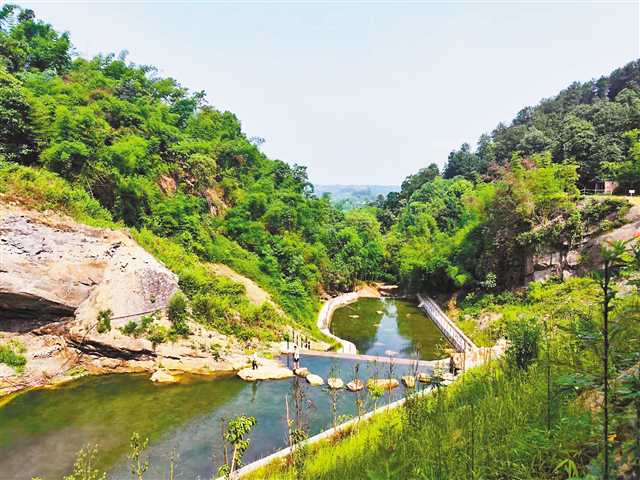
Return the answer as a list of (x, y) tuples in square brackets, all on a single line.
[(41, 431)]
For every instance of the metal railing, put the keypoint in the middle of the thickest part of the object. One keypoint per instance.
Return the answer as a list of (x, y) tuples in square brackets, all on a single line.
[(459, 340)]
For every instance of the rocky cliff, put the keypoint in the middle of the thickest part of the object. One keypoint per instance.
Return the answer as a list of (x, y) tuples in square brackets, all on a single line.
[(57, 275)]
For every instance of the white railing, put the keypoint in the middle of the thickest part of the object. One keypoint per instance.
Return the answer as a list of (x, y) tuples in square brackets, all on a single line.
[(456, 336)]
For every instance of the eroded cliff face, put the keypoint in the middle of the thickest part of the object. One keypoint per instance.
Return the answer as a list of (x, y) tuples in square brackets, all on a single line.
[(56, 276), (52, 268), (586, 255)]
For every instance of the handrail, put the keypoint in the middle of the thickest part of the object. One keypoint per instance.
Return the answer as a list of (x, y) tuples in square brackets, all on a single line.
[(459, 340)]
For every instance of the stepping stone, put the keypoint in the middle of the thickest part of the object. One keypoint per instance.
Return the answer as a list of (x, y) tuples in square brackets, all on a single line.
[(384, 383), (315, 380), (355, 386), (301, 372), (409, 381), (424, 377), (335, 383), (265, 373)]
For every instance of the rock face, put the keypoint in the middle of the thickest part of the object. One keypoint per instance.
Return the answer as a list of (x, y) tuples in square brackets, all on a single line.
[(355, 386), (409, 381), (53, 268), (56, 275), (384, 383), (162, 376), (315, 380), (335, 383), (265, 373), (301, 372)]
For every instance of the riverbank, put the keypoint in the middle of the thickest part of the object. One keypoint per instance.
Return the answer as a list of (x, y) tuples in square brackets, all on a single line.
[(61, 352), (325, 315)]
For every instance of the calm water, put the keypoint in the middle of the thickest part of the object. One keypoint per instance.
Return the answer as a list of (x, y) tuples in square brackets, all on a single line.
[(376, 326), (41, 431)]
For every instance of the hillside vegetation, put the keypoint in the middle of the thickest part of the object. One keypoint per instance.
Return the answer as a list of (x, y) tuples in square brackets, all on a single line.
[(153, 156)]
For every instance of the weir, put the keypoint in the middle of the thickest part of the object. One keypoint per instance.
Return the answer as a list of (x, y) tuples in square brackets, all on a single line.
[(374, 358)]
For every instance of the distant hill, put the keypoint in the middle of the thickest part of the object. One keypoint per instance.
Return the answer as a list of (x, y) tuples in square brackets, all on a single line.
[(347, 197)]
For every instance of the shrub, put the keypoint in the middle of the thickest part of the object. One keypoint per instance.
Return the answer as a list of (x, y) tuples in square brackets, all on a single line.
[(179, 313), (524, 337), (12, 354), (157, 334), (104, 320), (130, 328)]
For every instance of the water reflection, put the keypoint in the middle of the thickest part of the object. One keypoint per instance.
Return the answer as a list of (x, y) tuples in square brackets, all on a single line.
[(383, 326)]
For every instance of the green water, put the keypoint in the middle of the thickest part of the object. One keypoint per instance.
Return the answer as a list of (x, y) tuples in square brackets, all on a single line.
[(42, 430), (377, 326)]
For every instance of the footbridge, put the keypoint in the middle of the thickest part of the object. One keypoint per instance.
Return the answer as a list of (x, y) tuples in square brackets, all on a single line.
[(429, 364), (449, 329)]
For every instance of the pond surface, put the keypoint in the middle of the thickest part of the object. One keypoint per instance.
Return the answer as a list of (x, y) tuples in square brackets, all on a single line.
[(379, 325), (42, 430)]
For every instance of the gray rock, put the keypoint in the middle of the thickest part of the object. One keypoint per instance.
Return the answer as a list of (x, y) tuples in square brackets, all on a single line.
[(355, 386), (54, 269), (265, 373), (315, 380), (409, 381), (335, 383)]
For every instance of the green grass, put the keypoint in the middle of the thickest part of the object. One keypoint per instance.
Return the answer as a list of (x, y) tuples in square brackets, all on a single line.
[(552, 299), (41, 190), (489, 425), (12, 354)]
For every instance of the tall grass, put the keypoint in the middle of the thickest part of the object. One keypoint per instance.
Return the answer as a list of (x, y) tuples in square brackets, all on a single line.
[(489, 425)]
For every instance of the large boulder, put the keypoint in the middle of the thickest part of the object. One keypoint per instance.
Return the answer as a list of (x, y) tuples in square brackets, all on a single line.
[(267, 372), (315, 380), (301, 372), (54, 268), (162, 376)]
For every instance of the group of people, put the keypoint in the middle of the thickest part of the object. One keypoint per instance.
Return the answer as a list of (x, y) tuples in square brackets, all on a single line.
[(296, 358)]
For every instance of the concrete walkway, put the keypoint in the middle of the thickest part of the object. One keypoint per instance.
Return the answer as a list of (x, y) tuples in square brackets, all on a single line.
[(373, 358), (324, 319)]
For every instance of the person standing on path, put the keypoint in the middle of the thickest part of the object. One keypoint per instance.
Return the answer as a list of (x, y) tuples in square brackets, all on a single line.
[(254, 361), (296, 357)]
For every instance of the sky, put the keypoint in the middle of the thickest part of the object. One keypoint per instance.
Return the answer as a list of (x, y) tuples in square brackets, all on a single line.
[(362, 92)]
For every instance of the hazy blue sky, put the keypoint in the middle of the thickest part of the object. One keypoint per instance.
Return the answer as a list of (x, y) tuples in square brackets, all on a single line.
[(362, 92)]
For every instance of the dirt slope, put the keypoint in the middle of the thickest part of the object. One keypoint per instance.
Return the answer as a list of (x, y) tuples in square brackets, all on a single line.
[(255, 292)]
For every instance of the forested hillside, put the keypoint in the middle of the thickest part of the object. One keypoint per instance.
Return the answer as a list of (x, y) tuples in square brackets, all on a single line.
[(348, 197), (160, 159), (517, 195)]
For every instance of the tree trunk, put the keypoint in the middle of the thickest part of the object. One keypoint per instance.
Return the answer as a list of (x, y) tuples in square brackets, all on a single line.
[(605, 363), (637, 467)]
